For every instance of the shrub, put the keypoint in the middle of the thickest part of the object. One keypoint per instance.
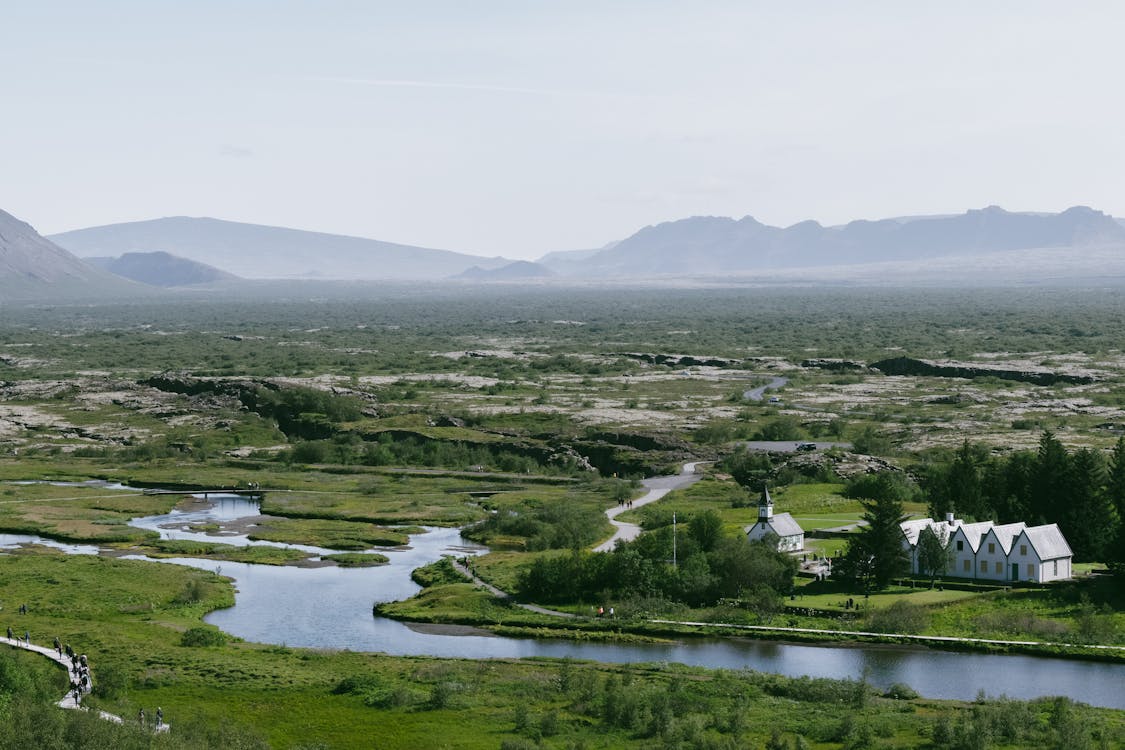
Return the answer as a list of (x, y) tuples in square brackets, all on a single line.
[(900, 617), (901, 691), (203, 637)]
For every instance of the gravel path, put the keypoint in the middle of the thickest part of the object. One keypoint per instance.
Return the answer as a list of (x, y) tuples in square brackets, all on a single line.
[(657, 488)]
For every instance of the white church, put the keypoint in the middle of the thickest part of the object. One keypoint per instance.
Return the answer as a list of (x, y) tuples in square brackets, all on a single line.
[(790, 535), (991, 552)]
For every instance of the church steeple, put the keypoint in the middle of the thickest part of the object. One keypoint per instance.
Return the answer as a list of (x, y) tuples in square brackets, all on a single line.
[(765, 505)]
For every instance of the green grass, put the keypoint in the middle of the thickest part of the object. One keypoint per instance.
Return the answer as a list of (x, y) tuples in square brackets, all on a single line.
[(342, 535), (357, 559), (129, 615)]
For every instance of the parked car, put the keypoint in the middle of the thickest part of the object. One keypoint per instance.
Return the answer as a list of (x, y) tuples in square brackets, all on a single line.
[(806, 446)]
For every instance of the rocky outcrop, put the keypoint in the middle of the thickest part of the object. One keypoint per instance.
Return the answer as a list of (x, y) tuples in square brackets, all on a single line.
[(679, 360), (838, 365), (949, 369)]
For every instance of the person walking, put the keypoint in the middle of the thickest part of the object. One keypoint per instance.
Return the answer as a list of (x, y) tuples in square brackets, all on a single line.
[(141, 717), (27, 637), (159, 716), (9, 632)]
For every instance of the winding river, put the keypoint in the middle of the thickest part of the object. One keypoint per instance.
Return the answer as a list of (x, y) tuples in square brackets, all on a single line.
[(330, 607)]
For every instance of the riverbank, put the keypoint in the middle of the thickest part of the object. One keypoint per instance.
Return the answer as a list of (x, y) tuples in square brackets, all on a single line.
[(133, 615), (454, 594)]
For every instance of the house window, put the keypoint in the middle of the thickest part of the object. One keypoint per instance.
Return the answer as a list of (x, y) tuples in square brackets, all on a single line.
[(960, 546), (1030, 571), (984, 566), (1023, 549), (1056, 567), (991, 548), (999, 568), (968, 566)]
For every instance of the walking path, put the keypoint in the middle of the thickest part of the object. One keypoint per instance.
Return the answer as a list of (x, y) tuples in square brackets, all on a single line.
[(465, 571), (70, 700), (657, 488)]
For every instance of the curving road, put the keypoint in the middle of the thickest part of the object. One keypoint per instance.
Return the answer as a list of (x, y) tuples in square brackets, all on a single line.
[(657, 488), (756, 394)]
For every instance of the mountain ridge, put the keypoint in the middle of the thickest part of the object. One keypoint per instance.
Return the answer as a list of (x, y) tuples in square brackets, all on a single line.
[(711, 244), (33, 267), (161, 269), (259, 251)]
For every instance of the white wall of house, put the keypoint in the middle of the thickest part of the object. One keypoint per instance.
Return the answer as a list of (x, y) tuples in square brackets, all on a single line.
[(1007, 555), (964, 556), (992, 559)]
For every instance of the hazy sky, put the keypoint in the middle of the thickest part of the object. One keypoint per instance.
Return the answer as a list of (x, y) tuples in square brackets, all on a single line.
[(523, 127)]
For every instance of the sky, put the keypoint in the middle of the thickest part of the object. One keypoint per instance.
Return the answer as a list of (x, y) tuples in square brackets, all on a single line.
[(523, 127)]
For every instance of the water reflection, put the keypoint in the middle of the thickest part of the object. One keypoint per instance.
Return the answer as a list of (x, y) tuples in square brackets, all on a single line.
[(331, 607)]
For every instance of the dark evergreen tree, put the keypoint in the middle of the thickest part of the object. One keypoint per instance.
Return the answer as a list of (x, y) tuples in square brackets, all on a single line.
[(1051, 480), (875, 555), (1088, 519), (965, 483), (1009, 485), (1115, 492)]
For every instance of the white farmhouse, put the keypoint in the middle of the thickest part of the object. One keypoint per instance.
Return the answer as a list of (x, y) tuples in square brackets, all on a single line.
[(994, 552), (790, 535)]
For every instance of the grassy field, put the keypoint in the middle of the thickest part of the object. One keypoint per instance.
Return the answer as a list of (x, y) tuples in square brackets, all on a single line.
[(468, 407), (130, 617)]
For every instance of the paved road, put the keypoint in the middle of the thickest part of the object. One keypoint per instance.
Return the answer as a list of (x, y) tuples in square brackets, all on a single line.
[(756, 394), (657, 488)]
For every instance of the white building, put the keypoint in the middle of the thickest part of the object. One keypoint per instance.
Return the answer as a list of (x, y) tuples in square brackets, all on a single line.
[(994, 552), (790, 535)]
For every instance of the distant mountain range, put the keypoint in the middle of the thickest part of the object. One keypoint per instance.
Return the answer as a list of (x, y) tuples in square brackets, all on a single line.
[(161, 269), (519, 270), (32, 266), (989, 245), (255, 251), (708, 245)]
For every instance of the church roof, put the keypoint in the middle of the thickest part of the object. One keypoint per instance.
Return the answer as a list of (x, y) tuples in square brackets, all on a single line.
[(784, 525)]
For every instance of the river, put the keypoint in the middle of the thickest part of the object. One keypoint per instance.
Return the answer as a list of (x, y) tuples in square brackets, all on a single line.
[(331, 607)]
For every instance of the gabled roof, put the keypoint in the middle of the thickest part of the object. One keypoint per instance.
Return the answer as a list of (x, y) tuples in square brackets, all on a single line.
[(912, 529), (1006, 534), (784, 525), (974, 531), (1048, 541)]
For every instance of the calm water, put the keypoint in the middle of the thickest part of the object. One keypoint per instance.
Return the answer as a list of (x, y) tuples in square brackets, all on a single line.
[(330, 607)]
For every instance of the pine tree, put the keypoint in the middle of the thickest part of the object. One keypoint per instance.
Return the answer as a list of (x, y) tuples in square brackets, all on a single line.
[(966, 488), (1088, 519), (1051, 480), (875, 555), (1115, 492)]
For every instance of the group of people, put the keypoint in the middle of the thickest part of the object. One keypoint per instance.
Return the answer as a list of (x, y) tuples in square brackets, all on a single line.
[(159, 717), (78, 671), (26, 636)]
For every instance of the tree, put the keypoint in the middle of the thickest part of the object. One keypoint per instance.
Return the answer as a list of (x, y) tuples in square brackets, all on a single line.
[(1115, 491), (965, 483), (706, 529), (1051, 475), (875, 555), (1088, 519), (933, 552)]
